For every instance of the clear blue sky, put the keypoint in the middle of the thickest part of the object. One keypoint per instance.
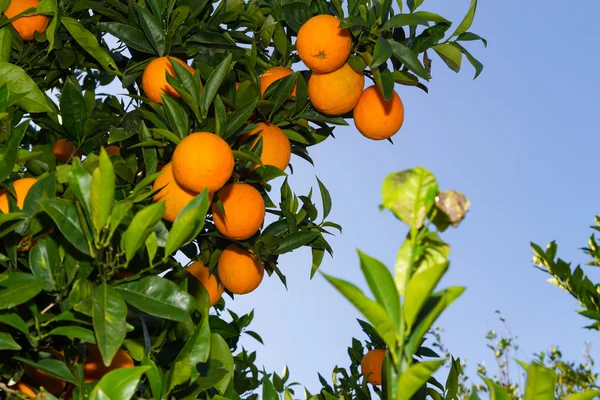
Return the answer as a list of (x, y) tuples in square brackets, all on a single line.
[(519, 141)]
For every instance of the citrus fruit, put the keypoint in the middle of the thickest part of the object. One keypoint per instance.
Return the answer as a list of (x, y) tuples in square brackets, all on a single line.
[(63, 149), (94, 368), (50, 383), (377, 118), (239, 271), (337, 92), (22, 187), (25, 389), (202, 160), (205, 276), (372, 364), (26, 26), (322, 45), (112, 149), (174, 196), (276, 147), (244, 211), (154, 79), (273, 74)]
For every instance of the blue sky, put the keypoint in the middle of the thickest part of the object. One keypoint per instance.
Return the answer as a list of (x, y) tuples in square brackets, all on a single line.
[(518, 141)]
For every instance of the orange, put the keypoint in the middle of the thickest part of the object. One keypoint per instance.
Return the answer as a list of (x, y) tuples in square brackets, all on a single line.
[(276, 147), (244, 211), (94, 368), (154, 79), (63, 149), (22, 187), (112, 149), (239, 271), (337, 92), (377, 118), (26, 26), (273, 74), (322, 45), (25, 389), (208, 280), (174, 196), (372, 363), (202, 160), (45, 380)]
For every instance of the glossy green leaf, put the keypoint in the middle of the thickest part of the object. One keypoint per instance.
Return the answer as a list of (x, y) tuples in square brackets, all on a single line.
[(64, 214), (130, 35), (153, 29), (118, 384), (220, 359), (7, 342), (80, 181), (159, 297), (176, 115), (268, 390), (109, 319), (415, 377), (140, 227), (239, 118), (495, 390), (400, 20), (470, 36), (410, 195), (420, 286), (588, 395), (5, 44), (45, 263), (102, 191), (51, 366), (450, 54), (540, 383), (188, 224), (467, 21), (409, 58), (295, 240), (431, 17), (33, 100), (154, 376), (474, 62), (15, 321), (9, 150), (18, 287), (317, 259), (353, 20), (74, 109), (214, 83), (74, 332), (382, 52)]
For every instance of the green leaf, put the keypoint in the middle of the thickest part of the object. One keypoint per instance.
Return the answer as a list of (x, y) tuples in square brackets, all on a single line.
[(5, 44), (317, 259), (109, 319), (415, 377), (295, 240), (64, 214), (265, 173), (382, 285), (382, 52), (44, 262), (154, 376), (474, 62), (450, 54), (74, 109), (588, 395), (140, 227), (420, 286), (88, 41), (9, 151), (159, 297), (296, 14), (102, 191), (354, 20), (118, 384), (80, 182), (176, 115), (130, 35), (409, 58), (214, 83), (220, 360), (496, 391), (14, 321), (376, 314), (540, 383), (325, 198), (74, 332), (413, 4), (400, 20), (239, 118), (431, 17), (7, 342), (188, 224), (17, 288), (282, 91), (467, 21), (153, 29), (18, 82), (410, 194), (470, 36), (51, 366), (269, 392)]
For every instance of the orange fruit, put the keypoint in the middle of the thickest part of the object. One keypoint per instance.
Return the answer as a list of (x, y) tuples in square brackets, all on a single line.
[(174, 196), (112, 149), (154, 79), (273, 74), (202, 160), (94, 368), (63, 149), (337, 92), (239, 271), (377, 118), (372, 363), (45, 380), (322, 45), (276, 147), (25, 389), (22, 187), (244, 211), (208, 280), (26, 26)]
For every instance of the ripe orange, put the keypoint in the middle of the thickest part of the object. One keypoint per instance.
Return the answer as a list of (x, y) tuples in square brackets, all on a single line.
[(63, 149), (244, 211), (372, 363), (25, 389), (26, 26), (377, 118), (22, 187), (174, 196), (322, 45), (154, 79), (208, 280), (239, 271), (202, 160), (112, 149), (273, 74), (94, 368), (47, 381), (337, 92), (276, 147)]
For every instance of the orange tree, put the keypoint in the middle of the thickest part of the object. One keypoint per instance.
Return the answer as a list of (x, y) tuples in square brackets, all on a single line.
[(100, 192)]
